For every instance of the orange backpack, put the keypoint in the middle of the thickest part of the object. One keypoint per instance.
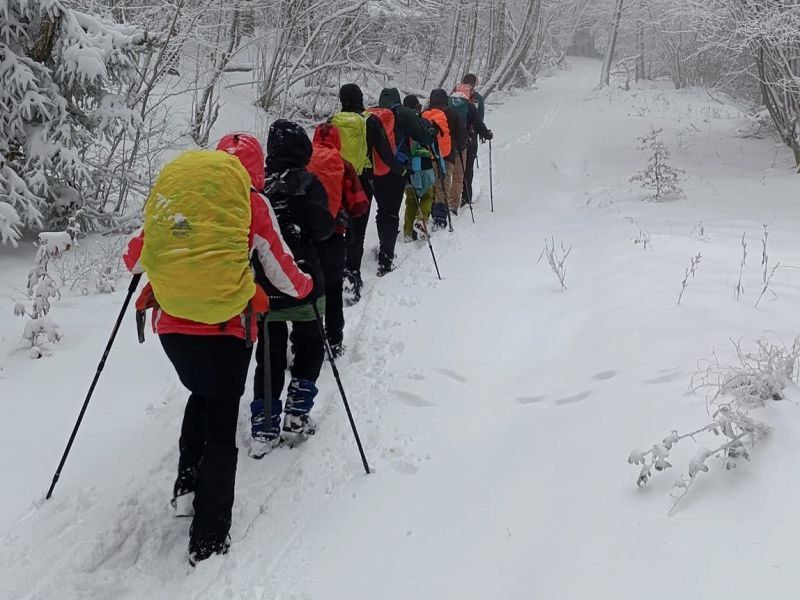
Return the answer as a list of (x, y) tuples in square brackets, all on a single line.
[(386, 116), (436, 115), (328, 165)]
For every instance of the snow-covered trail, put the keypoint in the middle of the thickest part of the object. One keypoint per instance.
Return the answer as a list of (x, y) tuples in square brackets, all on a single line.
[(496, 412)]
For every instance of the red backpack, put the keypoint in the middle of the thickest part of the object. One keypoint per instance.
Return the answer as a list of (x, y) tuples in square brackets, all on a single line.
[(386, 116)]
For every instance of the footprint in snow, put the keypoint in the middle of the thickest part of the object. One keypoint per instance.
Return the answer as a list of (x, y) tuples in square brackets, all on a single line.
[(669, 377), (405, 467), (452, 375), (604, 375), (573, 399), (529, 399), (411, 399)]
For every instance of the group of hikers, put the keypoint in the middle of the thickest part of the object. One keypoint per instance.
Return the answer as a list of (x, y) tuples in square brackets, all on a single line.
[(242, 249)]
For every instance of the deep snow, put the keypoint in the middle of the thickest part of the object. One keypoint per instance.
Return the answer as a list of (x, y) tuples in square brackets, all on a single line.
[(498, 413)]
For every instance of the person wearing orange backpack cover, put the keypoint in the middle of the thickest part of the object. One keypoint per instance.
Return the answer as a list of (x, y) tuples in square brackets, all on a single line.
[(346, 200), (451, 140), (203, 220)]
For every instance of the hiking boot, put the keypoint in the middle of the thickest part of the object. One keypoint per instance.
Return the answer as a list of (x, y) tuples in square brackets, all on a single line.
[(264, 429), (299, 424), (260, 448), (337, 349), (409, 238), (205, 549), (385, 269), (421, 230), (351, 287)]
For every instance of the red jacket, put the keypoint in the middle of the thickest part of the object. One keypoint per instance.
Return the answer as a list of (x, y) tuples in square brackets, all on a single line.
[(338, 176), (273, 253)]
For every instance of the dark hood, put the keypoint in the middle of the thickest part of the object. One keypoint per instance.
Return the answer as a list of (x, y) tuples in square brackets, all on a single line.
[(439, 99), (351, 97), (389, 97), (288, 147)]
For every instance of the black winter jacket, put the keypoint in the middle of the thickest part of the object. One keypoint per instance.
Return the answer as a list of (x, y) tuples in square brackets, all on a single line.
[(408, 125), (301, 207)]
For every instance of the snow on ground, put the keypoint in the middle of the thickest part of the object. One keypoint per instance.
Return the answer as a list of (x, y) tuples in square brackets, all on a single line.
[(497, 412)]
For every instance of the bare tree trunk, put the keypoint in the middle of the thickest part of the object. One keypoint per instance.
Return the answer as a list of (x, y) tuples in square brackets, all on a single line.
[(605, 75)]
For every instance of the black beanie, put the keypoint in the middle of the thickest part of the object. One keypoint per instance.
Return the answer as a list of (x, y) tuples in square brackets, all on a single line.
[(350, 96), (411, 101)]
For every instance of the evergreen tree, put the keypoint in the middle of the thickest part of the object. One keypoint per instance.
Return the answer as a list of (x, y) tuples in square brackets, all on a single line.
[(59, 69)]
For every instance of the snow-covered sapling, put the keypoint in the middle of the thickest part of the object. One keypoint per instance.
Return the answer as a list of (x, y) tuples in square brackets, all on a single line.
[(659, 176), (736, 390), (557, 259), (41, 288), (767, 273), (691, 271), (738, 289)]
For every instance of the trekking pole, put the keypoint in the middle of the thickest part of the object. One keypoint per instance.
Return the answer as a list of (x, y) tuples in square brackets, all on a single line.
[(491, 185), (425, 227), (131, 289), (339, 383), (466, 187)]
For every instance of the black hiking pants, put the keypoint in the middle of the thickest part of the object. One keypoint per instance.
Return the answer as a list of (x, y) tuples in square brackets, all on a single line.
[(309, 354), (214, 369), (332, 258), (389, 192), (357, 229), (469, 170)]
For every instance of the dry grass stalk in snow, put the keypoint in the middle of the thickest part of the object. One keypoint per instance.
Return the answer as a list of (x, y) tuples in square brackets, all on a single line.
[(738, 289), (557, 259), (767, 274), (691, 271)]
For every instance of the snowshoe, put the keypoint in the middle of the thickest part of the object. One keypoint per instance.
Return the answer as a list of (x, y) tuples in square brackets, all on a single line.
[(299, 424), (183, 505)]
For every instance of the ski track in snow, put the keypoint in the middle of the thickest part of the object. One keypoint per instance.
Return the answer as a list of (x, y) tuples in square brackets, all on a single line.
[(496, 412)]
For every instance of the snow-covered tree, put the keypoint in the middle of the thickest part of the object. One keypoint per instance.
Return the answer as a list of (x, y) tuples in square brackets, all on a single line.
[(59, 70), (659, 176)]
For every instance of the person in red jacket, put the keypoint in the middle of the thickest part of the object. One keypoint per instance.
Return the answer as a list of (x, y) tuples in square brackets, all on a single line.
[(347, 200), (212, 361)]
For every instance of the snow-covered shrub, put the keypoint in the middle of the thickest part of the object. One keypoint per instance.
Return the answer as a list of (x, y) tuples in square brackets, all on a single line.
[(58, 69), (557, 259), (760, 377), (659, 176), (91, 267), (41, 288)]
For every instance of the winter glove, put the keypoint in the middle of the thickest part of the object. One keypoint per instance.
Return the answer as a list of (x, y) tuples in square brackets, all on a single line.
[(489, 135), (342, 220)]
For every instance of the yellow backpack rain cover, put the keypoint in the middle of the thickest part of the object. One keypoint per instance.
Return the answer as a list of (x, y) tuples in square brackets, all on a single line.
[(196, 237), (353, 133)]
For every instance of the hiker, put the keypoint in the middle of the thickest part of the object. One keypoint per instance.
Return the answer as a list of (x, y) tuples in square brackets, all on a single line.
[(451, 141), (472, 149), (301, 208), (420, 189), (363, 137), (201, 222), (402, 125), (346, 201), (463, 101)]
